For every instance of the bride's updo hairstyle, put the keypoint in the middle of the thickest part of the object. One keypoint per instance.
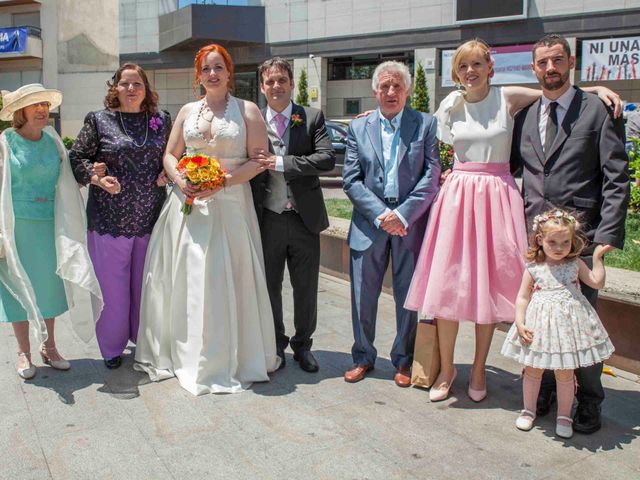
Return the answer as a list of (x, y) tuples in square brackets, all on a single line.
[(475, 45), (199, 61)]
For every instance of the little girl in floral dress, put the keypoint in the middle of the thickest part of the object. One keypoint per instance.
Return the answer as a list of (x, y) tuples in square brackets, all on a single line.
[(556, 328)]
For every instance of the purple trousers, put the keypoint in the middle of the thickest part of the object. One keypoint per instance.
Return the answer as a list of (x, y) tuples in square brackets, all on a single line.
[(119, 265)]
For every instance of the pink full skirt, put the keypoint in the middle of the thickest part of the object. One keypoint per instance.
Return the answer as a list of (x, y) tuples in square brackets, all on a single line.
[(472, 258)]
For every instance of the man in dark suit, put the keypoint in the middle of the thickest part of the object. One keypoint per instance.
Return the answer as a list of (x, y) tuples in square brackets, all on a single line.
[(570, 149), (290, 206), (391, 175)]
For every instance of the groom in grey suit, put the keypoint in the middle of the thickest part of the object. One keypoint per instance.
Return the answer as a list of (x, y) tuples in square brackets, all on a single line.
[(290, 206), (391, 176), (570, 149)]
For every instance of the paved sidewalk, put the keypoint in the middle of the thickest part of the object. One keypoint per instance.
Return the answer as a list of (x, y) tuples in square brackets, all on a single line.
[(92, 423)]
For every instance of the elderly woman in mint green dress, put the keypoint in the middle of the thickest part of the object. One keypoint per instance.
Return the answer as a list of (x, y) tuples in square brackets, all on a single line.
[(44, 265)]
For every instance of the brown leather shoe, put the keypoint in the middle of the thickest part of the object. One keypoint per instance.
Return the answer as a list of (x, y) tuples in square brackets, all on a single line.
[(403, 377), (356, 373)]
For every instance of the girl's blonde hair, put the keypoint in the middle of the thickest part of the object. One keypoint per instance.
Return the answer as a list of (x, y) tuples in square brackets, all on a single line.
[(466, 48), (550, 221)]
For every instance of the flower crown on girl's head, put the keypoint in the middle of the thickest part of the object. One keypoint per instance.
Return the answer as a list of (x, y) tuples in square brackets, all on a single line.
[(539, 220)]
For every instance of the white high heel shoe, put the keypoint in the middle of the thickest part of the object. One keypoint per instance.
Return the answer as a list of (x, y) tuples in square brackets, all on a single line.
[(440, 394), (29, 371), (46, 353)]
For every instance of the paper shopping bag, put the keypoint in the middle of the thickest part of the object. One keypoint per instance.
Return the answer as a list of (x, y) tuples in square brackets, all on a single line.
[(426, 355)]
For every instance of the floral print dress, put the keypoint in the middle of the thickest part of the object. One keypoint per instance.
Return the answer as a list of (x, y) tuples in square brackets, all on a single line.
[(567, 332)]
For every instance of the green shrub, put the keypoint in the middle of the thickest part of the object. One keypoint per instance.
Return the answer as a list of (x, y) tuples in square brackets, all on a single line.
[(68, 142)]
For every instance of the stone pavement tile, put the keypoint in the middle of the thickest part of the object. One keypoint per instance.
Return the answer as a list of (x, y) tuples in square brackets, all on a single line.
[(113, 451), (355, 460), (99, 423), (21, 456), (598, 466)]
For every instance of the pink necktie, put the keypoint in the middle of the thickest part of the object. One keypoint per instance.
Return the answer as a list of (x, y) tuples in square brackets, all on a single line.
[(281, 124)]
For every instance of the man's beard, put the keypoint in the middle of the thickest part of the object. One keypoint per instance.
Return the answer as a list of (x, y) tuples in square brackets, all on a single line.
[(556, 82)]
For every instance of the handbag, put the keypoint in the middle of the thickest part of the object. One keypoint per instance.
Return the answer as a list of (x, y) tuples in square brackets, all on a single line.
[(426, 355)]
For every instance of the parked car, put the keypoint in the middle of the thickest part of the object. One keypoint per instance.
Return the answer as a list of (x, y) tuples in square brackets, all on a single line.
[(338, 135)]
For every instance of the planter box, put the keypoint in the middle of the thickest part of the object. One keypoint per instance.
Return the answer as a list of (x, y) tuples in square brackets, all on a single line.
[(620, 313)]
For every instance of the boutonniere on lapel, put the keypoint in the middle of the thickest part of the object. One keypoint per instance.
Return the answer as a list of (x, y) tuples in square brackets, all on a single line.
[(155, 123), (296, 120)]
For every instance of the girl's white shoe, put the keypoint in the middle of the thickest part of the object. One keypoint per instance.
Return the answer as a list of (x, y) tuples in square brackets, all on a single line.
[(564, 431), (525, 420)]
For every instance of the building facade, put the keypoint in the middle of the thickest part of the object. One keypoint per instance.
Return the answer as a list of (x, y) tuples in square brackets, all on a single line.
[(69, 45), (339, 42), (77, 45)]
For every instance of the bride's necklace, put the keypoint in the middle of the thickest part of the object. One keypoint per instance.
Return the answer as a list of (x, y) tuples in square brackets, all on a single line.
[(204, 108), (146, 133)]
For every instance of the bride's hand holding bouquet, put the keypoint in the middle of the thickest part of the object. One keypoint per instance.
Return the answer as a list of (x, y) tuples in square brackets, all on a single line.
[(200, 177)]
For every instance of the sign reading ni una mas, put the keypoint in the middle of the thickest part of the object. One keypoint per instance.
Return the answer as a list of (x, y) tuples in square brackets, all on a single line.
[(13, 39), (610, 59), (512, 65)]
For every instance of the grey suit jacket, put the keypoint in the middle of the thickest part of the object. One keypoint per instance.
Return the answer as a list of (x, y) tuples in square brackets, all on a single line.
[(418, 176), (586, 170), (309, 154)]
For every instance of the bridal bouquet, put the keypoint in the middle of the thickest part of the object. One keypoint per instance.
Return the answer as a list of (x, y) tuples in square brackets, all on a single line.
[(201, 171)]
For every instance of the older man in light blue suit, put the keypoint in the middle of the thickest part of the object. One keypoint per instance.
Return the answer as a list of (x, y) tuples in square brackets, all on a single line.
[(391, 175)]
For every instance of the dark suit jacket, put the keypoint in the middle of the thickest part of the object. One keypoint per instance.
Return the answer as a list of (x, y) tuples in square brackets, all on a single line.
[(418, 176), (309, 153), (586, 170)]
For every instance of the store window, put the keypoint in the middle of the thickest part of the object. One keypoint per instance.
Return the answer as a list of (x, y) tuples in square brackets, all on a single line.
[(361, 67)]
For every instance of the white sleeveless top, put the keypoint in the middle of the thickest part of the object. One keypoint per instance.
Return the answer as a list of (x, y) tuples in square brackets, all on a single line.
[(479, 132)]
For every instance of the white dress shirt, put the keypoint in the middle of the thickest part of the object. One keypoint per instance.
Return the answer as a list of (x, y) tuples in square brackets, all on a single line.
[(271, 121), (564, 101), (390, 136)]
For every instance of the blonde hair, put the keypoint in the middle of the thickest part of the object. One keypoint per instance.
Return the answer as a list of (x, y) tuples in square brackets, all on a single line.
[(552, 221), (19, 119), (465, 49)]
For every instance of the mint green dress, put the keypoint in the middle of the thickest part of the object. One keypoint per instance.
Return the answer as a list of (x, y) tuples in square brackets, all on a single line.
[(35, 168)]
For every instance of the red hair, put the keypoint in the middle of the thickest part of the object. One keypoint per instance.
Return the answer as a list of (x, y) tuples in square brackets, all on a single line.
[(199, 60)]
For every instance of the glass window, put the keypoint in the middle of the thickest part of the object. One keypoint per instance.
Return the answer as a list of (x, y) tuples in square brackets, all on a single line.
[(361, 67), (474, 10), (30, 19), (336, 135), (352, 106)]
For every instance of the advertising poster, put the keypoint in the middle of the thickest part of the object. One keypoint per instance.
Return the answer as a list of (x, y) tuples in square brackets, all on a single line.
[(610, 59), (512, 65), (13, 39)]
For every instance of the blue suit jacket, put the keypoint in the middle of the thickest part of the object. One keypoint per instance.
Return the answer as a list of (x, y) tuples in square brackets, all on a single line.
[(418, 176)]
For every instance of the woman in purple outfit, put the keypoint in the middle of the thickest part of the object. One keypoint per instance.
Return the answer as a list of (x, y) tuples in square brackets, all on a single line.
[(127, 139)]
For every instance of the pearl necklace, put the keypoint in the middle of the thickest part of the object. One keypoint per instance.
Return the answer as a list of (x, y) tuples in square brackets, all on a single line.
[(205, 106), (146, 133)]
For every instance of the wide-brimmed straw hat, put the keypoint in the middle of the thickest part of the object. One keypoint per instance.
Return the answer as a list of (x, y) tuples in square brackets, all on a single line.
[(25, 96)]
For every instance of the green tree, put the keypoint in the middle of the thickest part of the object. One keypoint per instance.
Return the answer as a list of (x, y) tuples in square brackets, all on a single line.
[(302, 98), (3, 125), (420, 97)]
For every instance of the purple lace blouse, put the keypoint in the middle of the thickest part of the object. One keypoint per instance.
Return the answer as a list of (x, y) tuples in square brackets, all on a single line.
[(134, 211)]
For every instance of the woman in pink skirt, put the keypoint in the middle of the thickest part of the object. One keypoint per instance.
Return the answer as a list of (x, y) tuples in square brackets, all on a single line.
[(471, 261)]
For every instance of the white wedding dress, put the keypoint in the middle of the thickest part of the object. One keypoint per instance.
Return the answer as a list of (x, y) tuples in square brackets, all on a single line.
[(205, 314)]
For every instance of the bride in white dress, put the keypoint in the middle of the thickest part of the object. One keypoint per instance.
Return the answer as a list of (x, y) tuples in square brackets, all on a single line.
[(205, 313)]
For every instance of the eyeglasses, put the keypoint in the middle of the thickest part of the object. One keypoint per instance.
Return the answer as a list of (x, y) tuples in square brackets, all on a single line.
[(134, 85), (41, 105)]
